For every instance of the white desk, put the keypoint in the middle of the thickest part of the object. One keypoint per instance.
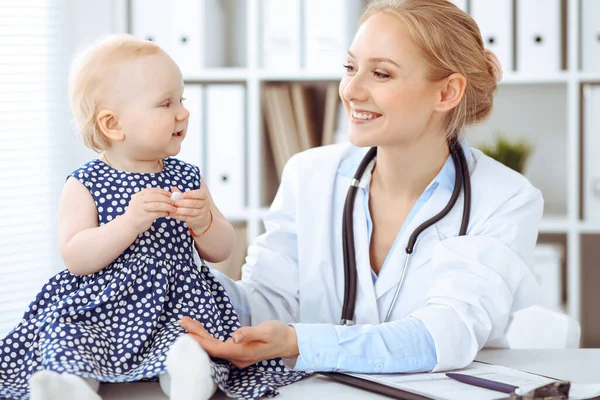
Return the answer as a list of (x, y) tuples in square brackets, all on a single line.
[(577, 365)]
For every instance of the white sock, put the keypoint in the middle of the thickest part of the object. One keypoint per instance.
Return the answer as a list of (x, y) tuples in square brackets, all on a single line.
[(50, 385), (189, 376)]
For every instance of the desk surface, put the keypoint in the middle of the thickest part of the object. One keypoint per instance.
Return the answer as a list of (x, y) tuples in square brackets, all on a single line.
[(576, 365)]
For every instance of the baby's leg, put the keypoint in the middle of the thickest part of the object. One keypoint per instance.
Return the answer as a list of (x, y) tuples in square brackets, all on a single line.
[(50, 385), (189, 376)]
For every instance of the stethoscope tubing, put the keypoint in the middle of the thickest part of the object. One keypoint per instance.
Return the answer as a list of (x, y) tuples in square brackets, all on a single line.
[(462, 181)]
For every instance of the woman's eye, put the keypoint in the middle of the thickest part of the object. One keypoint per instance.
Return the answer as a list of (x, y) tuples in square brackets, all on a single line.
[(349, 68), (380, 75)]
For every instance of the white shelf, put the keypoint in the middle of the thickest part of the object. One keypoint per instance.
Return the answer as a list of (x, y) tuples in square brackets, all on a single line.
[(300, 75), (512, 78), (588, 77), (217, 75), (588, 227), (553, 224)]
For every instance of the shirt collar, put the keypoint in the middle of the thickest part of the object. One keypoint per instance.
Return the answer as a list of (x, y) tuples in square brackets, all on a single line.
[(445, 178)]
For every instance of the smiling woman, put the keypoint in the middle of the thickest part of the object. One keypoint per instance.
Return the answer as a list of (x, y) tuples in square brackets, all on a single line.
[(416, 74)]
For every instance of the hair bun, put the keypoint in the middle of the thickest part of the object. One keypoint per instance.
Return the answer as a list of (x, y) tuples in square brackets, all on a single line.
[(494, 65)]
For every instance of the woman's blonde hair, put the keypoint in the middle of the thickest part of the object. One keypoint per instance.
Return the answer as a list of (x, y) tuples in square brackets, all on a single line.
[(450, 42), (88, 80)]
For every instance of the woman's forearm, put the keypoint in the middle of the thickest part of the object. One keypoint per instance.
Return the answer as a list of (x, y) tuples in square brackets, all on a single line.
[(93, 249), (398, 346)]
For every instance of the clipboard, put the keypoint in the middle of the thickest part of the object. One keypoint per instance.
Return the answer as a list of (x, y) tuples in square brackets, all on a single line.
[(427, 386), (374, 386)]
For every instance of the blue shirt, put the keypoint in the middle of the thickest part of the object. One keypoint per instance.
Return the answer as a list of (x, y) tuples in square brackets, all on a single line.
[(396, 346)]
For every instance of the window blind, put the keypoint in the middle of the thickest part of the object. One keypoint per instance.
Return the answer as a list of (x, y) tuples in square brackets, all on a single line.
[(33, 69)]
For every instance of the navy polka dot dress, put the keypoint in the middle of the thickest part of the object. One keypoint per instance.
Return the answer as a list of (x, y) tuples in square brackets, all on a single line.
[(117, 325)]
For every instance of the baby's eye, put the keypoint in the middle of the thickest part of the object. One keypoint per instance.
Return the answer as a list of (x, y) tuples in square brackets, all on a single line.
[(182, 100), (166, 104)]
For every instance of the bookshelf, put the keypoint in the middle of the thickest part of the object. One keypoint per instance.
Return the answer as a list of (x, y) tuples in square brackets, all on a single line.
[(549, 115)]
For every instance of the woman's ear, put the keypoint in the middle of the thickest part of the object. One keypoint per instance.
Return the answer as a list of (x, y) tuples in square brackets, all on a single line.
[(109, 125), (452, 92)]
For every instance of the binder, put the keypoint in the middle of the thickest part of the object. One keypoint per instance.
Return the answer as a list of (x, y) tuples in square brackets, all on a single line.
[(590, 35), (225, 117), (495, 20), (281, 34), (341, 131), (215, 30), (329, 27), (591, 149), (332, 99), (538, 36), (192, 148), (548, 260), (151, 20), (462, 4), (187, 34), (305, 119)]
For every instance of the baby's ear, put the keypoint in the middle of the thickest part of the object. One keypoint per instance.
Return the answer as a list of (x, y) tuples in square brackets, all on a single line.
[(109, 125)]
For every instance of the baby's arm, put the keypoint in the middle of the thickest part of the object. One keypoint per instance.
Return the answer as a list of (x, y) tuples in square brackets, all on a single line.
[(214, 240), (87, 248)]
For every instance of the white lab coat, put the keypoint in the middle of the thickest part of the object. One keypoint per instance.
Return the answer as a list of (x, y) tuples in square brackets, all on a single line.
[(462, 288)]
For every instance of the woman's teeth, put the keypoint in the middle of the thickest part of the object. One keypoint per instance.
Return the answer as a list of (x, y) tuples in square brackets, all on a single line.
[(364, 115)]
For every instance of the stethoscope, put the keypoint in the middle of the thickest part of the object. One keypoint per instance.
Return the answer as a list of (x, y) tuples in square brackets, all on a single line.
[(462, 179)]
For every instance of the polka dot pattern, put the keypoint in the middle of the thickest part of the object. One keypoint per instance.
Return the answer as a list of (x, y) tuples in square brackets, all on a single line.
[(117, 325)]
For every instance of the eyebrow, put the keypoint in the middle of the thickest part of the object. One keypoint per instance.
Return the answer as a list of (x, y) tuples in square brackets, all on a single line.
[(377, 59), (167, 95)]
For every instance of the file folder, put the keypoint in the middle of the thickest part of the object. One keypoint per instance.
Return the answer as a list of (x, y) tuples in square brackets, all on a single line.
[(591, 152), (462, 4), (329, 28), (590, 35), (192, 148), (538, 36), (281, 34), (225, 144), (187, 34), (495, 20), (151, 20)]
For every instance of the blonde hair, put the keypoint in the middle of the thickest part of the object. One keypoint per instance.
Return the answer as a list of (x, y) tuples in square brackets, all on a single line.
[(87, 80), (450, 42)]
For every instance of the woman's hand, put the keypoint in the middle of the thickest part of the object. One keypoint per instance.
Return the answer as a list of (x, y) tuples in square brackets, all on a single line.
[(193, 209), (249, 344)]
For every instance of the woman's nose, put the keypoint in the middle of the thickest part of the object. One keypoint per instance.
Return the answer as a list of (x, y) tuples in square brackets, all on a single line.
[(353, 89)]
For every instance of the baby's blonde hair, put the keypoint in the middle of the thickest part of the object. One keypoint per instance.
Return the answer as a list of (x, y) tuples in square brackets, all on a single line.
[(87, 78), (450, 42)]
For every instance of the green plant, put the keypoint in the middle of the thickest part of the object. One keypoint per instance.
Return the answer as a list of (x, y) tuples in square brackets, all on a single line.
[(513, 154)]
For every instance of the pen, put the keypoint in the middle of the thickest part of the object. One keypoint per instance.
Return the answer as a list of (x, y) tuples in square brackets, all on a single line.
[(483, 383)]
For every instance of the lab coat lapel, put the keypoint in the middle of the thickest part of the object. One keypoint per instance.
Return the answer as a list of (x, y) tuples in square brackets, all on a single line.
[(392, 271), (366, 304)]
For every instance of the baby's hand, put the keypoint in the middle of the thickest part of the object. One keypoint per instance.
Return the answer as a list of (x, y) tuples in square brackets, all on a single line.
[(146, 206), (193, 209)]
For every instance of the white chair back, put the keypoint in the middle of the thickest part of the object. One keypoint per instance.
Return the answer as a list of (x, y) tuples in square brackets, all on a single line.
[(537, 327)]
